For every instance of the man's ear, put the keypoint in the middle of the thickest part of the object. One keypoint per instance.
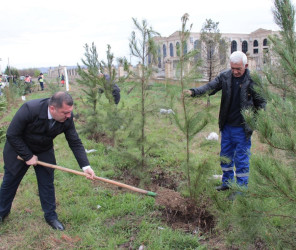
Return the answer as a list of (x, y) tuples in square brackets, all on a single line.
[(51, 109), (246, 66)]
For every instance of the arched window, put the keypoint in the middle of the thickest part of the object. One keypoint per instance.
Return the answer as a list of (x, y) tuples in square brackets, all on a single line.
[(233, 46), (185, 49), (222, 51), (171, 50), (164, 50), (197, 46), (255, 43), (178, 48), (210, 50), (265, 42), (245, 46)]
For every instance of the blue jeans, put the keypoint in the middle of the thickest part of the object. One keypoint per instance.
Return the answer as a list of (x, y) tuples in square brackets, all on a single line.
[(235, 151)]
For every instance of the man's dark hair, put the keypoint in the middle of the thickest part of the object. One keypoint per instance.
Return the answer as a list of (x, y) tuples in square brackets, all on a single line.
[(59, 98)]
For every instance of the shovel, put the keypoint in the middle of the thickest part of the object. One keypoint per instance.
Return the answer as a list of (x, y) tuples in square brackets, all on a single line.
[(119, 184)]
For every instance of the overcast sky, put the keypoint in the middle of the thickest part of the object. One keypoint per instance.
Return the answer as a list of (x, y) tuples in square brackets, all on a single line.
[(37, 33)]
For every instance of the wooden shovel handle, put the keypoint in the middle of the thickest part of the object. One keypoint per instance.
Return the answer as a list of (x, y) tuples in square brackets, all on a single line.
[(49, 165)]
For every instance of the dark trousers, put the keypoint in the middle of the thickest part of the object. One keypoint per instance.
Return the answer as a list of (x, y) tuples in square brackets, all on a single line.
[(45, 179), (41, 85)]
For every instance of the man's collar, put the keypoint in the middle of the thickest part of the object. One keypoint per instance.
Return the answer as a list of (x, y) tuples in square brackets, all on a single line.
[(49, 114)]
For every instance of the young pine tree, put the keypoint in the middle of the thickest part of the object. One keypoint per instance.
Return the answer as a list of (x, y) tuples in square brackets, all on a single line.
[(266, 214), (188, 119), (142, 46), (108, 118), (115, 117), (214, 48), (89, 73)]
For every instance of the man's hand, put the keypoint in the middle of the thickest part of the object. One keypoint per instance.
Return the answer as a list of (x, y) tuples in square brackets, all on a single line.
[(32, 161), (187, 93), (91, 174)]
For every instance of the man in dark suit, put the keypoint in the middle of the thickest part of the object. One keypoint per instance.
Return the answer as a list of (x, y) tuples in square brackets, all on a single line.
[(30, 135)]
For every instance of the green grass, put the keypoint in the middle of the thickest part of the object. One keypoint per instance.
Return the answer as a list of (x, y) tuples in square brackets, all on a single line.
[(102, 216), (97, 215)]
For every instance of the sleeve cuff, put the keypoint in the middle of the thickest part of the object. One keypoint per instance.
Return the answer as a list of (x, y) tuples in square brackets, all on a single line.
[(86, 167)]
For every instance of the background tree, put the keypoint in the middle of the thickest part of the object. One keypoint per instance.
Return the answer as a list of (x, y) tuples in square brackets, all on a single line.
[(89, 76), (266, 213), (114, 117), (109, 69), (11, 71), (108, 118), (214, 49), (141, 46), (188, 120)]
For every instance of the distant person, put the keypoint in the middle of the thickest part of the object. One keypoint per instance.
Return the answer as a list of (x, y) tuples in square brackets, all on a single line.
[(238, 93), (115, 88), (62, 79), (28, 82), (30, 135), (14, 79), (28, 79), (41, 81)]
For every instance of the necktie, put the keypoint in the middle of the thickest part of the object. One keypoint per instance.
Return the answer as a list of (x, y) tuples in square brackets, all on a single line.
[(51, 123)]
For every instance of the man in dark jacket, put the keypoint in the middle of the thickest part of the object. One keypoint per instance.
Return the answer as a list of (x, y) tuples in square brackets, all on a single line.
[(238, 94), (115, 88), (30, 135)]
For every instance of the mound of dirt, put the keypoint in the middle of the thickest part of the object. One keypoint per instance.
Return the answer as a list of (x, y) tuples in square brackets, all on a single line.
[(183, 213), (177, 211)]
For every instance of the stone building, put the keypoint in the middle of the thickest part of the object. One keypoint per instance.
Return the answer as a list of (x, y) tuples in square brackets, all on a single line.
[(254, 45)]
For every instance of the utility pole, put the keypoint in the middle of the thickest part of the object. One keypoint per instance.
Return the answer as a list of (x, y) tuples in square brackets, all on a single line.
[(8, 67)]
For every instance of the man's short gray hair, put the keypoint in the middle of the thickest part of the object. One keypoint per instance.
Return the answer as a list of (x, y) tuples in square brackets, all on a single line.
[(59, 98), (237, 57)]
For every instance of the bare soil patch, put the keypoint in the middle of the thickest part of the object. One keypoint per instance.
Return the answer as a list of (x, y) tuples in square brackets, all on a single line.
[(178, 212), (183, 213), (103, 138)]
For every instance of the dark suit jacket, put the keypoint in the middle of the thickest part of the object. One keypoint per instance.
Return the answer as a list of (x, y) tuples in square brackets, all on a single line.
[(28, 134)]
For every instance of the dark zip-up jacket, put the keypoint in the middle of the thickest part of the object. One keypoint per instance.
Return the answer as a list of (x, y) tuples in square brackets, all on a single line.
[(248, 96)]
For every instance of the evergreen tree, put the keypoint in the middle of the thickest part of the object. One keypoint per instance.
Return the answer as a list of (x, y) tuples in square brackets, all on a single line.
[(188, 120), (107, 118), (142, 46), (115, 117), (11, 71), (266, 213), (89, 76), (214, 48)]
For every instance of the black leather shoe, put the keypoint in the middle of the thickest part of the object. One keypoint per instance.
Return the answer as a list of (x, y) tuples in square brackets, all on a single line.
[(56, 224), (222, 188), (3, 217)]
